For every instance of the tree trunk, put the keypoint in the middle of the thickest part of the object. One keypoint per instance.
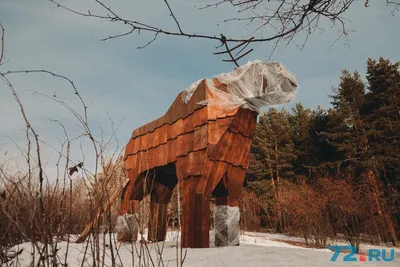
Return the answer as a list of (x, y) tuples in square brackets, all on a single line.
[(277, 190), (372, 180)]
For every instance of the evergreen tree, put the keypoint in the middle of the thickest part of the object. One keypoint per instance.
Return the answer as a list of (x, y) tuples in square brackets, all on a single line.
[(381, 113), (356, 142), (351, 134), (274, 156), (325, 153), (346, 129), (300, 120)]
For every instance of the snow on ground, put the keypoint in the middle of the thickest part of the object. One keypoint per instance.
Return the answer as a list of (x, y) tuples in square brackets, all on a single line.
[(256, 249)]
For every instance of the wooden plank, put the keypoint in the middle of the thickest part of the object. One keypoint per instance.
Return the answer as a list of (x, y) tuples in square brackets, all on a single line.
[(155, 137), (243, 156), (129, 148), (164, 134), (195, 162), (217, 128), (238, 121), (227, 201), (177, 128), (158, 221), (146, 160), (129, 162), (200, 116), (185, 144), (202, 224), (236, 177), (200, 138), (234, 151), (176, 111), (171, 148), (137, 142), (244, 122), (214, 171), (137, 162), (188, 212), (224, 145), (199, 95), (218, 171), (188, 123), (156, 159)]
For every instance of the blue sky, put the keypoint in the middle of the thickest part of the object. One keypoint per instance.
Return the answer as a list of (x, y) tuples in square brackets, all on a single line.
[(135, 86)]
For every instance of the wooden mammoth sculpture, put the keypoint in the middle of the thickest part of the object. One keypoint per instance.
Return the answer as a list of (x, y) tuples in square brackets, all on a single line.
[(202, 144)]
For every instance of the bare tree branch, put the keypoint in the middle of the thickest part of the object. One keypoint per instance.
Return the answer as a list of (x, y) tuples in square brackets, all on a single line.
[(173, 16), (286, 18), (35, 135), (2, 43)]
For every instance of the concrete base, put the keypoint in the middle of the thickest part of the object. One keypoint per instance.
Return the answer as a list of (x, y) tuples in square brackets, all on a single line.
[(226, 225), (127, 228)]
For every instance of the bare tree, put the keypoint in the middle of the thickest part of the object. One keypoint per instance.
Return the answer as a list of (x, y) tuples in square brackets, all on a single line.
[(282, 19)]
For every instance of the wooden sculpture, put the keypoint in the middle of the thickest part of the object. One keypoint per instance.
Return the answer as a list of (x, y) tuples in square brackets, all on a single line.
[(203, 144)]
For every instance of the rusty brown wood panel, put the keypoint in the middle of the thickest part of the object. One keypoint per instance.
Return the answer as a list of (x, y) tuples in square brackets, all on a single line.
[(130, 161), (191, 165), (200, 139), (213, 172), (185, 144), (223, 147), (244, 122), (217, 128), (242, 155), (177, 110), (129, 148), (158, 221), (188, 212), (233, 202), (168, 152), (202, 221), (235, 150), (166, 133), (236, 177), (235, 139), (215, 112), (172, 148)]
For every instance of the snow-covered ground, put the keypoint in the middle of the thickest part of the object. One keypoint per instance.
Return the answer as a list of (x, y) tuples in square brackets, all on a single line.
[(256, 249)]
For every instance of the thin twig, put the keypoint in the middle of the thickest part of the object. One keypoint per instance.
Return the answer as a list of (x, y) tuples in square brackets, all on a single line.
[(2, 43), (173, 16)]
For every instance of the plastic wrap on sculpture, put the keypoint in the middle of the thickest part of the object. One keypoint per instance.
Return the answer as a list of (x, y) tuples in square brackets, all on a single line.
[(127, 227), (253, 85), (226, 225)]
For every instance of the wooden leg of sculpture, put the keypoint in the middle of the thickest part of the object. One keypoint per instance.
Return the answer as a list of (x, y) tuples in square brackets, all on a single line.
[(188, 188), (196, 206), (195, 215), (160, 197)]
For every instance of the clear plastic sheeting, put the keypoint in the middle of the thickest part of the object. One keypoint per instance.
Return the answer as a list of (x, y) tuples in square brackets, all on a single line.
[(226, 225), (253, 85), (187, 94), (127, 227)]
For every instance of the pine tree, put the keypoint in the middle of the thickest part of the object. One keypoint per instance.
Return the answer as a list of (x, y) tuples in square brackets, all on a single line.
[(351, 134), (346, 129), (381, 114), (321, 125), (273, 153), (300, 120)]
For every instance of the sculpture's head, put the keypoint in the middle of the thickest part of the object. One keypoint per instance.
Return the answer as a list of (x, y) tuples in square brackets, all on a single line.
[(252, 86), (257, 84)]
